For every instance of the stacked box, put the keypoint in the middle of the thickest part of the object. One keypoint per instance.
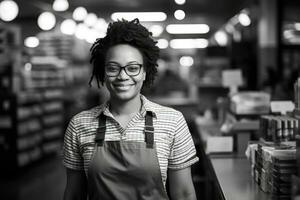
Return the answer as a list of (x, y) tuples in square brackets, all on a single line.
[(274, 167), (278, 128)]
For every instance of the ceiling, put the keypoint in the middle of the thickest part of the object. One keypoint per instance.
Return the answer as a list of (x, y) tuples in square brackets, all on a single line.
[(215, 13)]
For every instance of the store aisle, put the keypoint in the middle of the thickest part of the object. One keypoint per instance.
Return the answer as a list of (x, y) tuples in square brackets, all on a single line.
[(44, 180)]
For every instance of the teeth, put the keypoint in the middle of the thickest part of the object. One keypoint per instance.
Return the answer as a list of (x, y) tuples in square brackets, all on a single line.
[(124, 87)]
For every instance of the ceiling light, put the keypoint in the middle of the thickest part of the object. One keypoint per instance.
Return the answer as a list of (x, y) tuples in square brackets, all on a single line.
[(187, 28), (162, 43), (180, 2), (244, 19), (91, 36), (229, 28), (8, 10), (46, 21), (297, 26), (179, 14), (101, 25), (186, 61), (79, 14), (81, 31), (68, 27), (91, 19), (288, 34), (142, 16), (188, 43), (156, 30), (60, 5), (31, 42), (221, 38)]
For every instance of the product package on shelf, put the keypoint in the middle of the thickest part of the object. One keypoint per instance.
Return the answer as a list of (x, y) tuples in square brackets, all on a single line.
[(244, 103), (10, 56), (278, 128), (297, 98), (20, 131), (273, 165)]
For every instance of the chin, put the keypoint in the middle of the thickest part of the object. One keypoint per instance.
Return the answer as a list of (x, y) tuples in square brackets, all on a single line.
[(124, 96)]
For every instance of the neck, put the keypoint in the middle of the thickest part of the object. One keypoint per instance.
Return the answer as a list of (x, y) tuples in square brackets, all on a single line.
[(125, 107)]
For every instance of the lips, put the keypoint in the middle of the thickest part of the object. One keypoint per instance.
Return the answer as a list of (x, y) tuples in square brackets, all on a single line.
[(122, 87)]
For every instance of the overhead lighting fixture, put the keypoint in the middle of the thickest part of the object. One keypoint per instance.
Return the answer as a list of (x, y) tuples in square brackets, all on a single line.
[(46, 21), (60, 5), (221, 38), (187, 28), (297, 26), (142, 16), (179, 14), (229, 28), (31, 42), (288, 34), (79, 14), (91, 36), (91, 19), (180, 2), (82, 31), (9, 10), (162, 43), (189, 43), (156, 30), (244, 19), (186, 61), (101, 25), (68, 27)]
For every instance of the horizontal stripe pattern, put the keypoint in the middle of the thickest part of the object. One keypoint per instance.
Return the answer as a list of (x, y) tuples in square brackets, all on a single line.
[(174, 145)]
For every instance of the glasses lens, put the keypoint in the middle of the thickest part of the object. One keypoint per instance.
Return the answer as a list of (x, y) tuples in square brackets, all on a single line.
[(133, 69), (112, 70)]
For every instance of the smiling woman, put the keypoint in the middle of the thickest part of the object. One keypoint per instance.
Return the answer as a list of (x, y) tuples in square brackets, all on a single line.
[(126, 148), (126, 84)]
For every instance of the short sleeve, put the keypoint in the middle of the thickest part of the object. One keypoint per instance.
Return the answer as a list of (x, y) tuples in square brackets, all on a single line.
[(183, 152), (71, 152)]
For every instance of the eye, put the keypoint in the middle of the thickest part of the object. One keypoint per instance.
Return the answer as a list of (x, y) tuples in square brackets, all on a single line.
[(112, 68), (133, 67)]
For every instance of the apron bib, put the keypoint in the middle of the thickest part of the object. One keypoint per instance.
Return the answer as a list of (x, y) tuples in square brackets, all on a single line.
[(125, 170)]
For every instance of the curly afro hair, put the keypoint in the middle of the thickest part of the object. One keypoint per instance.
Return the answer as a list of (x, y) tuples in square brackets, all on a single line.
[(125, 32)]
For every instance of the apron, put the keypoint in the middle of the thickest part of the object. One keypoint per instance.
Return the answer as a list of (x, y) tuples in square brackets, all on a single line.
[(125, 170)]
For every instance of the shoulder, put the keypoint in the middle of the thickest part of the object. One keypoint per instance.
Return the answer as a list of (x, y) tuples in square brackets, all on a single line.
[(164, 112), (87, 115)]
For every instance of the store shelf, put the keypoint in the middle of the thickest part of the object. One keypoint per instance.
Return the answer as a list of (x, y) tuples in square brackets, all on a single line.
[(31, 117)]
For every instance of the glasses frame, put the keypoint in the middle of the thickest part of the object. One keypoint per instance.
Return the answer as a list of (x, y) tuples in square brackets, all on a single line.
[(124, 68)]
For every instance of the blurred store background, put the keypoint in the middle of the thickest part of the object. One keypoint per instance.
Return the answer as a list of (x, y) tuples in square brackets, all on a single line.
[(210, 50)]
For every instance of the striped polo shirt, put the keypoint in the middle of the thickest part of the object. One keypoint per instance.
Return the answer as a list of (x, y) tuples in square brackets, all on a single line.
[(174, 145)]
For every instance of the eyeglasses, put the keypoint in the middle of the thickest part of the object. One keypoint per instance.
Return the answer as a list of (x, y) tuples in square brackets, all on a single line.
[(113, 70)]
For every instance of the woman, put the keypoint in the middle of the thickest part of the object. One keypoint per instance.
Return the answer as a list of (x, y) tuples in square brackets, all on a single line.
[(126, 148)]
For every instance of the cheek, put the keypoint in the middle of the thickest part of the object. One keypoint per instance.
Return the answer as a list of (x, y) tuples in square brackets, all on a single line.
[(108, 81)]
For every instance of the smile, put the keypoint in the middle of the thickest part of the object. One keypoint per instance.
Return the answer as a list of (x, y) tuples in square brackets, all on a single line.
[(122, 87)]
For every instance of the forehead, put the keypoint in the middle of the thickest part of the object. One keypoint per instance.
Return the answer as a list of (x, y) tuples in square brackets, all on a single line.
[(124, 53)]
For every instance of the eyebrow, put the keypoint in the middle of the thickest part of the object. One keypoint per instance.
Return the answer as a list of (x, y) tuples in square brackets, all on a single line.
[(113, 62)]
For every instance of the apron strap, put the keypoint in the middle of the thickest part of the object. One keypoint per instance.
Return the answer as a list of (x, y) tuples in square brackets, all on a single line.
[(100, 133), (149, 130)]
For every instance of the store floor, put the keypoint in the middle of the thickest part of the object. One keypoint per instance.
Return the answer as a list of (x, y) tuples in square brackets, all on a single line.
[(44, 180)]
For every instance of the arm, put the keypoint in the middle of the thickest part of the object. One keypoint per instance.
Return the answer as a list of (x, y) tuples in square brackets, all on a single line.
[(76, 188), (181, 184)]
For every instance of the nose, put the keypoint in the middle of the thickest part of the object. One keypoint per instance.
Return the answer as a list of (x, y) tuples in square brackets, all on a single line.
[(122, 75)]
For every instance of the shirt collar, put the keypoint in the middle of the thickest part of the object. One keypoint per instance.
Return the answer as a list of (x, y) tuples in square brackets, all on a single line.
[(146, 106)]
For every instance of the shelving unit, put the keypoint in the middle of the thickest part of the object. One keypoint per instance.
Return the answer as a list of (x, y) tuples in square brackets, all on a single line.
[(31, 104), (47, 77)]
